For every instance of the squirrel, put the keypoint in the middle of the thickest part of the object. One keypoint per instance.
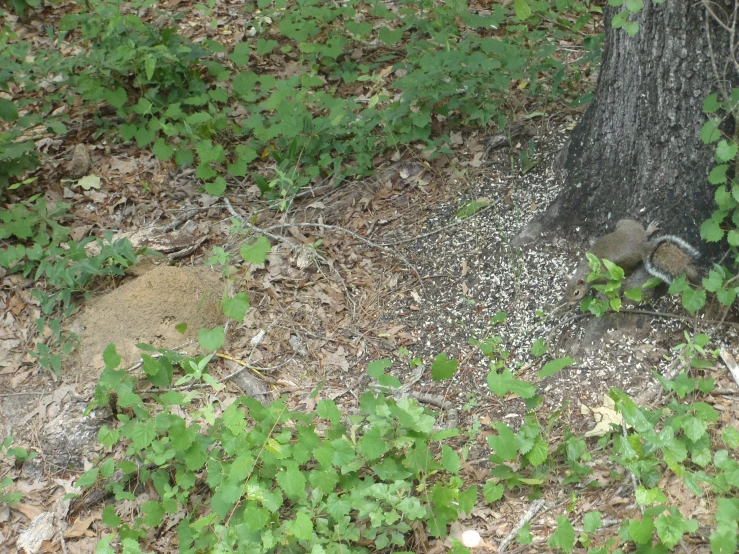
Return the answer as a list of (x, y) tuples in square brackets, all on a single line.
[(629, 246)]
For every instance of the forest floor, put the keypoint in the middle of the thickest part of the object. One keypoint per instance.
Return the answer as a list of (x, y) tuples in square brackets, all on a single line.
[(421, 282)]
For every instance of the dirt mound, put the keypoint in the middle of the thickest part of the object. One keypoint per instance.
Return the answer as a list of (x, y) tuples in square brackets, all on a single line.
[(146, 309)]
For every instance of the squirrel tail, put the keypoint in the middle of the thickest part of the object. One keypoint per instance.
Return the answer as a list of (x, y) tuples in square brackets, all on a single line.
[(671, 256)]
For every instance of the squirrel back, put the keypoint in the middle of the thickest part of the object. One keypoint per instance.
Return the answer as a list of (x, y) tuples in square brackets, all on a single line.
[(630, 247), (627, 246), (671, 256)]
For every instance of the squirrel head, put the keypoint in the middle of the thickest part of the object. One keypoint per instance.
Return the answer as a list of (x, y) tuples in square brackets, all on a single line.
[(576, 289)]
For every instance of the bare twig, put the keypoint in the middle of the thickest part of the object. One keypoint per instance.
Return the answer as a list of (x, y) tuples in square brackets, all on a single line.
[(435, 231), (356, 236), (536, 507), (293, 246)]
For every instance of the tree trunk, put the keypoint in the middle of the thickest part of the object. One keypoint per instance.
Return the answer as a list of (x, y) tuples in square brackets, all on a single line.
[(637, 151)]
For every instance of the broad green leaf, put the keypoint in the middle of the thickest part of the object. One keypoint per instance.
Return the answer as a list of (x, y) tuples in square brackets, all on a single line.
[(443, 368), (8, 111), (450, 459), (240, 54), (640, 530), (111, 357), (523, 11), (718, 174), (468, 499), (564, 536), (710, 132), (327, 409), (492, 491), (256, 252), (592, 521), (291, 481), (555, 366), (110, 518), (725, 151), (211, 339), (711, 103), (504, 443), (236, 307)]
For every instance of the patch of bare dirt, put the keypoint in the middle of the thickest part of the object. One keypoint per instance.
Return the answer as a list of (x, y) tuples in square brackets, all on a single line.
[(146, 309)]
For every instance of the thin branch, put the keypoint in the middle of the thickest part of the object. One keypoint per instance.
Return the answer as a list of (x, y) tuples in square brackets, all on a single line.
[(356, 236), (283, 240), (435, 231)]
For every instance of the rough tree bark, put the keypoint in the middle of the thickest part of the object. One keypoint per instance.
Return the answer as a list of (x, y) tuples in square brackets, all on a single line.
[(637, 151)]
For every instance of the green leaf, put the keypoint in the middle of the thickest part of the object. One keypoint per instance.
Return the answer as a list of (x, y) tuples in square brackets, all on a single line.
[(162, 150), (57, 127), (107, 468), (144, 137), (718, 174), (523, 11), (694, 428), (292, 481), (150, 65), (211, 339), (711, 230), (725, 151), (468, 499), (88, 478), (236, 307), (647, 497), (631, 28), (502, 383), (671, 527), (504, 443), (327, 409), (564, 536), (492, 491), (195, 457), (634, 6), (619, 20), (216, 187), (723, 540), (110, 518), (640, 530), (539, 452), (555, 366), (710, 132), (592, 522), (154, 513), (443, 368), (107, 436), (539, 347), (373, 445), (730, 436), (450, 459), (111, 357), (8, 111), (693, 300), (376, 369), (390, 36), (301, 527), (711, 103), (265, 46), (256, 252), (240, 54), (471, 208)]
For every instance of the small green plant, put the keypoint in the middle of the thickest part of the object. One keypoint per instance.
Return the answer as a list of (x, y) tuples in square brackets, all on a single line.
[(20, 455), (439, 66), (40, 247), (280, 478)]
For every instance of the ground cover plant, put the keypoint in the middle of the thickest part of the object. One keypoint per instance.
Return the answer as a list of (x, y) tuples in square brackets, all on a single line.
[(318, 92)]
